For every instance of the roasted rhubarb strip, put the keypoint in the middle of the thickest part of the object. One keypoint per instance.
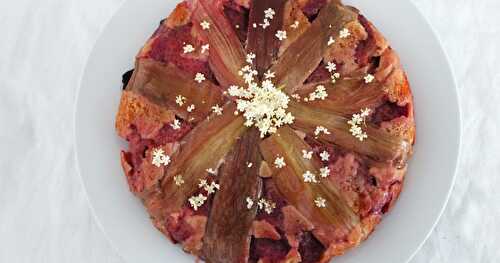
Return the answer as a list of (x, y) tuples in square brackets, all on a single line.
[(203, 148), (263, 42), (304, 55), (227, 236), (290, 182), (226, 55), (294, 22), (162, 83), (380, 145), (346, 96)]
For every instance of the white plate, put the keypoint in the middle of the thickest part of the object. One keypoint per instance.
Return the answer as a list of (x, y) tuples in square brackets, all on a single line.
[(397, 238)]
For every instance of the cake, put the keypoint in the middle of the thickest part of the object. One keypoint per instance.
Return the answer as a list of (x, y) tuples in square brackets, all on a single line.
[(266, 131)]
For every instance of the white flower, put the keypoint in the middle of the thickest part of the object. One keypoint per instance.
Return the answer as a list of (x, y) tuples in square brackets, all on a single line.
[(331, 41), (295, 25), (269, 74), (344, 33), (309, 177), (324, 172), (365, 112), (265, 24), (355, 121), (369, 78), (263, 106), (279, 162), (249, 203), (191, 108), (159, 158), (205, 48), (362, 136), (199, 77), (320, 202), (180, 100), (319, 93), (211, 188), (211, 171), (202, 183), (325, 156), (188, 48), (250, 57), (307, 154), (217, 109), (205, 25), (321, 129), (261, 203), (197, 201), (281, 35), (334, 77), (269, 13), (178, 180), (331, 67), (356, 130), (267, 205), (176, 125)]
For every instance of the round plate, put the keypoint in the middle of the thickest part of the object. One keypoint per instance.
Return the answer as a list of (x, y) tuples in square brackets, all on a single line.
[(431, 171)]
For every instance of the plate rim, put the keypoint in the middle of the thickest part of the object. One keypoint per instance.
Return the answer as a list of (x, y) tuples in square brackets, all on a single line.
[(459, 135), (456, 98)]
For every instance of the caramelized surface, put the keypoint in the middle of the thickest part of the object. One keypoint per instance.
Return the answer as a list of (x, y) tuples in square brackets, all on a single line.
[(365, 176)]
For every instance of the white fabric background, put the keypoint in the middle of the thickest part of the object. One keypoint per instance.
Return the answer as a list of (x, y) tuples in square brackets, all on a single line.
[(44, 216)]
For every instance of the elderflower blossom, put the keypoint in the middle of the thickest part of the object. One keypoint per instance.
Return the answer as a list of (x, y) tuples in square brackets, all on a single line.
[(217, 109), (267, 205), (320, 202), (205, 48), (250, 57), (176, 125), (269, 13), (249, 203), (200, 77), (309, 177), (269, 74), (356, 121), (324, 172), (160, 158), (263, 106), (197, 201), (320, 94), (279, 162), (369, 78), (211, 171), (321, 129), (307, 154), (210, 188), (331, 67), (331, 41), (325, 156), (188, 48), (178, 180), (281, 35), (180, 100), (344, 33), (205, 25)]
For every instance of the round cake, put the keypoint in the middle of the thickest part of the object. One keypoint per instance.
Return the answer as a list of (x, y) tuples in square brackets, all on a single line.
[(266, 131)]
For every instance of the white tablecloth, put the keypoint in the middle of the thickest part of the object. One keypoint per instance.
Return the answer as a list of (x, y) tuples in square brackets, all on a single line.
[(44, 215)]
